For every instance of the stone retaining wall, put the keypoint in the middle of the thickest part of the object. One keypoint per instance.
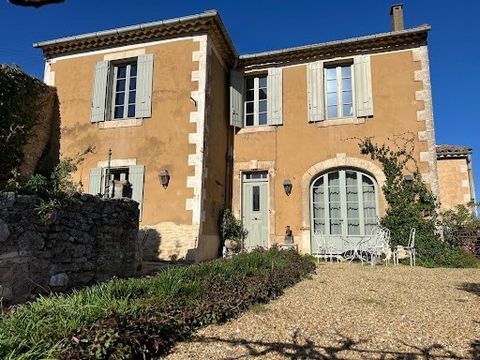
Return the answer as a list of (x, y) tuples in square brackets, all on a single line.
[(82, 239)]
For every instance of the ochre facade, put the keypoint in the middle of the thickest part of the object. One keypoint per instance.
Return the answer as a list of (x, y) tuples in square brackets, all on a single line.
[(455, 182), (198, 133)]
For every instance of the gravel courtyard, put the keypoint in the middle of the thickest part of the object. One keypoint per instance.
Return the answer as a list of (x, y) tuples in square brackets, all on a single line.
[(349, 311)]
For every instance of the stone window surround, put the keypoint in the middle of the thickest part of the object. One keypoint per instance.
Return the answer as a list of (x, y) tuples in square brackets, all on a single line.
[(340, 161)]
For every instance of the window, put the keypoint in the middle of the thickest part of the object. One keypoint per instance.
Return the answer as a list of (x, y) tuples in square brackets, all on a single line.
[(344, 203), (124, 86), (122, 89), (338, 91), (256, 101)]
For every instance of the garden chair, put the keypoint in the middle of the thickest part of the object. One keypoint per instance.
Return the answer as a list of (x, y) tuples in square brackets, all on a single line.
[(324, 250), (379, 246), (404, 252)]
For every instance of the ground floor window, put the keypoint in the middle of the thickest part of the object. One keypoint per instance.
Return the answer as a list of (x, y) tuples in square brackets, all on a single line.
[(344, 203)]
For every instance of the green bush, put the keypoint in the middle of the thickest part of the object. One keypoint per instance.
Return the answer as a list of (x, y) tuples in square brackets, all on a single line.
[(143, 318), (411, 204)]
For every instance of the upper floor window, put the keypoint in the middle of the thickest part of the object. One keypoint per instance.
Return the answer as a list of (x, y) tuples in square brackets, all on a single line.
[(256, 101), (124, 90), (339, 91)]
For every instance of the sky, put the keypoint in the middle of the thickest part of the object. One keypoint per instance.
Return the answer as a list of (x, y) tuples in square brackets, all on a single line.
[(454, 41)]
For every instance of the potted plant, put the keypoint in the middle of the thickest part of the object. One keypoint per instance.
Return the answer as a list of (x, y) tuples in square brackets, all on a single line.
[(232, 232)]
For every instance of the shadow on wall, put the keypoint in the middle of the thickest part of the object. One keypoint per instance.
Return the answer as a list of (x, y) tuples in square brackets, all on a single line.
[(155, 251)]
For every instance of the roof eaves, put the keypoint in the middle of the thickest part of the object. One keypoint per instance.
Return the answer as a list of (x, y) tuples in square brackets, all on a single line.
[(422, 28), (116, 31)]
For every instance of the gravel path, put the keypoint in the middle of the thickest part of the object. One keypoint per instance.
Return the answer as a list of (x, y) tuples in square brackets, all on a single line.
[(349, 311)]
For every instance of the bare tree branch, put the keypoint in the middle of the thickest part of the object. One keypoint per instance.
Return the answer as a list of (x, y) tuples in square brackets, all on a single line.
[(34, 3)]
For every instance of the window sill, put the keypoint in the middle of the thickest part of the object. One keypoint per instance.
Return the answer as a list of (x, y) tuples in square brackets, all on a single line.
[(255, 129), (341, 121), (112, 124)]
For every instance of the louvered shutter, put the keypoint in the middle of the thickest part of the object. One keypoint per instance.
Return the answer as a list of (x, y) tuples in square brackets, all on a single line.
[(315, 92), (95, 181), (363, 86), (100, 85), (236, 98), (274, 96), (136, 178), (143, 98)]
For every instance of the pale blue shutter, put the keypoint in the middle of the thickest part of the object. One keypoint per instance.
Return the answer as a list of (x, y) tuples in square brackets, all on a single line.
[(136, 178), (315, 92), (274, 96), (363, 86), (100, 85), (143, 99), (95, 181), (236, 98)]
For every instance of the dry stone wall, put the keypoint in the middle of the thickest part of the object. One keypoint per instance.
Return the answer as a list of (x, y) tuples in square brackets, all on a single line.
[(82, 239)]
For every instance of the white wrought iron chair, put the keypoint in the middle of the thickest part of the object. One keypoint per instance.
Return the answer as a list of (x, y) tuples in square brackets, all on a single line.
[(324, 249), (403, 252), (379, 245)]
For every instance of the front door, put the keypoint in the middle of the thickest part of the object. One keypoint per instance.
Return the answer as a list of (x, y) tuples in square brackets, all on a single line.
[(255, 209)]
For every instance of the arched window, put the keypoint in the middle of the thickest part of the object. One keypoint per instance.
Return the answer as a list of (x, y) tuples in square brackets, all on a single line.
[(344, 204)]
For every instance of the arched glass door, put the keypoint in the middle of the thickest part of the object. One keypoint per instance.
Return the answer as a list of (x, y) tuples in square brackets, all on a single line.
[(344, 207)]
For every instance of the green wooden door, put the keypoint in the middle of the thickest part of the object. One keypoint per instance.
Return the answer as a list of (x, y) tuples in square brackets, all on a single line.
[(255, 209)]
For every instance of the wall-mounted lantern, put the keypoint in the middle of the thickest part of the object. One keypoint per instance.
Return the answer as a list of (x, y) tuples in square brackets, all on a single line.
[(164, 177), (408, 179), (287, 185)]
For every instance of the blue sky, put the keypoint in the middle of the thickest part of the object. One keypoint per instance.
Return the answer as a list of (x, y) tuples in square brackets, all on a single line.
[(265, 25)]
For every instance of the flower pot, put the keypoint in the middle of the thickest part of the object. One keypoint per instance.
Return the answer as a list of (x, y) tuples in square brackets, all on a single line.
[(231, 244)]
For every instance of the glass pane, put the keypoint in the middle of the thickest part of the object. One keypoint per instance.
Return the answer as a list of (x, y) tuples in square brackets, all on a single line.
[(347, 110), (131, 97), (262, 94), (319, 181), (120, 85), (334, 179), (250, 95), (351, 178), (133, 70), (249, 108), (346, 72), (133, 84), (131, 110), (354, 227), (347, 84), (262, 106), (331, 73), (249, 120), (331, 99), (257, 175), (262, 119), (332, 112), (121, 72), (347, 97), (335, 227), (331, 86), (256, 198), (119, 98), (118, 113), (262, 82), (250, 83)]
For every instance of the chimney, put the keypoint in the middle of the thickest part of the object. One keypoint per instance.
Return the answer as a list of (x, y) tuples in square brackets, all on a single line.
[(396, 12)]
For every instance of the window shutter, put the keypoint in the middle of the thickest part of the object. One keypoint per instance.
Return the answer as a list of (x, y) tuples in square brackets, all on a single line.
[(136, 178), (95, 181), (143, 98), (363, 86), (316, 93), (274, 96), (236, 98), (100, 84)]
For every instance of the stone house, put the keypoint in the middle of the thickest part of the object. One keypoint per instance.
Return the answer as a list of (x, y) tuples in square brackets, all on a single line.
[(455, 175), (267, 134)]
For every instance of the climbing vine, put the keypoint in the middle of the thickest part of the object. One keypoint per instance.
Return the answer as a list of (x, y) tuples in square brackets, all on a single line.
[(19, 94), (411, 204)]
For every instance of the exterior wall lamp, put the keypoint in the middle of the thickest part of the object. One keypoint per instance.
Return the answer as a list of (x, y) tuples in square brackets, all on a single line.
[(164, 177), (408, 179), (287, 185)]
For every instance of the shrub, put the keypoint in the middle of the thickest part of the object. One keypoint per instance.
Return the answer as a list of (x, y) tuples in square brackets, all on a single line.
[(411, 204), (143, 318)]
